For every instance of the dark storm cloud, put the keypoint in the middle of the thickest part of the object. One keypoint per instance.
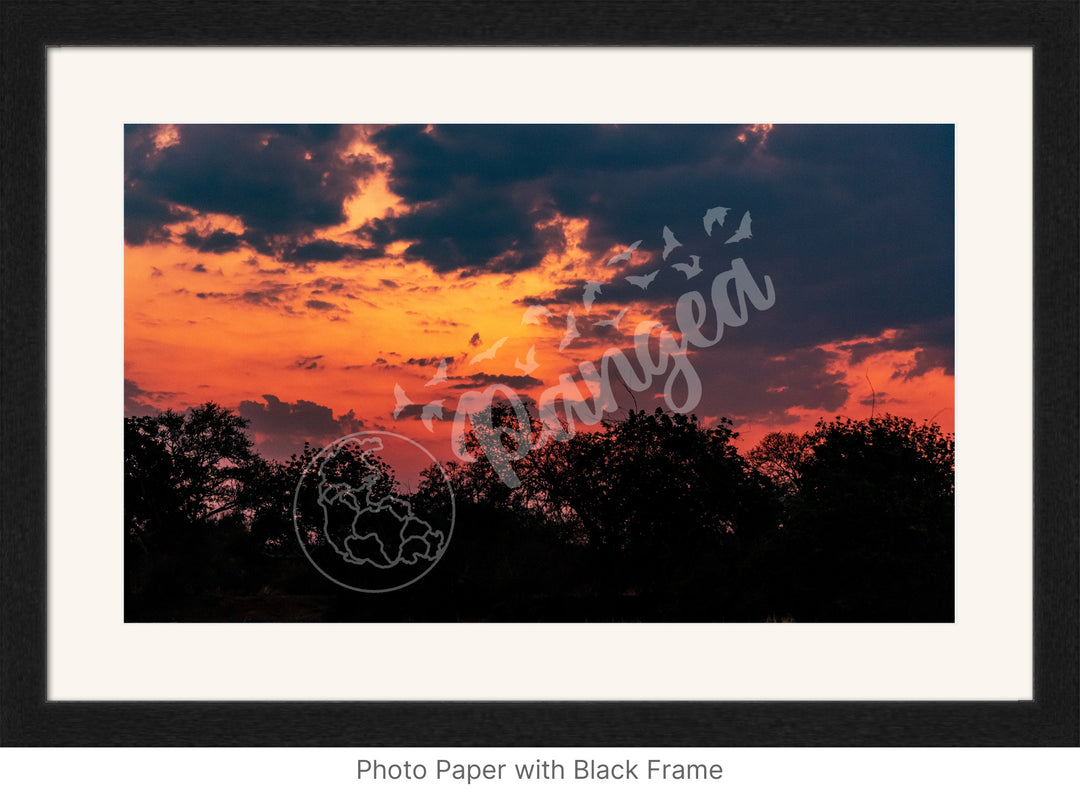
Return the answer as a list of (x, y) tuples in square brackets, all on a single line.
[(488, 192), (332, 285), (663, 290), (410, 412), (285, 180), (932, 342), (324, 250), (145, 217), (441, 321), (486, 379), (876, 398), (926, 360), (217, 241), (263, 244), (378, 231), (140, 401), (282, 296), (267, 296), (428, 165), (854, 223), (477, 232), (281, 428), (425, 361), (308, 362)]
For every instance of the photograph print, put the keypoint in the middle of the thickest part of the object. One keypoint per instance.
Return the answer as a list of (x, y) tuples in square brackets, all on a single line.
[(539, 373)]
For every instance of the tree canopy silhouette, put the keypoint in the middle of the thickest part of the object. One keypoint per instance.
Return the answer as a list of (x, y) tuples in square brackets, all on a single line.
[(187, 480), (869, 535), (181, 469), (653, 517)]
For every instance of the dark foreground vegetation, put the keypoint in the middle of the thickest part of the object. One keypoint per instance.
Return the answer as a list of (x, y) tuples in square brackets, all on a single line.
[(651, 518)]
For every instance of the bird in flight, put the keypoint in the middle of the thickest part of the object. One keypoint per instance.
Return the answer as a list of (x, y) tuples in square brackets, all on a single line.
[(440, 375), (572, 332), (530, 364), (592, 289), (692, 269), (489, 353), (430, 412), (614, 322), (625, 255), (670, 243), (743, 232), (534, 313), (715, 215), (642, 281), (400, 399)]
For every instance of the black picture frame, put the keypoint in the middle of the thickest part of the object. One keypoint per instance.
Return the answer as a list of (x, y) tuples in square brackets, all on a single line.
[(1052, 718)]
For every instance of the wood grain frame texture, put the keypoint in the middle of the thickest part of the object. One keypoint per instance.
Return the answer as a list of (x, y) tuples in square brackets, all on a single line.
[(27, 718)]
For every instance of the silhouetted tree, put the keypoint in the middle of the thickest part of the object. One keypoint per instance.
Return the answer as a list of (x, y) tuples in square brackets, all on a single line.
[(185, 503), (870, 536), (781, 457), (183, 468)]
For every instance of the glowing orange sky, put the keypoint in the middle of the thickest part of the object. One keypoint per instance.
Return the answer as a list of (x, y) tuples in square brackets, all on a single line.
[(236, 326)]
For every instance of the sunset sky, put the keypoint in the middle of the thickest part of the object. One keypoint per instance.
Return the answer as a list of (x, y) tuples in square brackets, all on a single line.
[(299, 274)]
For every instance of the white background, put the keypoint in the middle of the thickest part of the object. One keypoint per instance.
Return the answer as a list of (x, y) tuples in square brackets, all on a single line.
[(985, 655)]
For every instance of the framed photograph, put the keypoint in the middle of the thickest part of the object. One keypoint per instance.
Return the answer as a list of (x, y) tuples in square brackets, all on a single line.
[(398, 379)]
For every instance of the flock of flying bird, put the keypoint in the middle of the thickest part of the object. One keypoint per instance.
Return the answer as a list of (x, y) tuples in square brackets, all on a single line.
[(534, 314)]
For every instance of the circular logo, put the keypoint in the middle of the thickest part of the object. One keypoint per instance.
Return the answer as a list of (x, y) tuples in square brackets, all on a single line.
[(356, 524)]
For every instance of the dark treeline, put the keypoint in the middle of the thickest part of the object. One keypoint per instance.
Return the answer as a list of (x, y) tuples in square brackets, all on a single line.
[(651, 518)]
